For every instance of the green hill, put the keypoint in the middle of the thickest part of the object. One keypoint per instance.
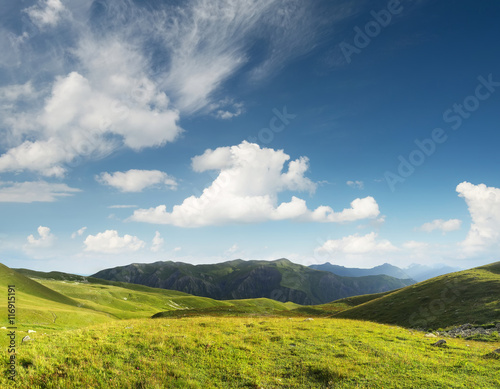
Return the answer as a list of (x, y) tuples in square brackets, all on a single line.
[(280, 280), (39, 306), (25, 285), (469, 296), (120, 300)]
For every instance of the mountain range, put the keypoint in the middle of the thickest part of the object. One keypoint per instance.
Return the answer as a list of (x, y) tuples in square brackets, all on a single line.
[(414, 271), (280, 280)]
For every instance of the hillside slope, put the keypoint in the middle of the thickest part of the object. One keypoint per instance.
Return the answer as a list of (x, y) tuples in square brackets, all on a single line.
[(122, 300), (39, 306), (280, 280), (469, 296)]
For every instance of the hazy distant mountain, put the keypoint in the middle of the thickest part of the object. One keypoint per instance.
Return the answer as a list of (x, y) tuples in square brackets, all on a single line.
[(424, 272), (386, 269), (280, 280)]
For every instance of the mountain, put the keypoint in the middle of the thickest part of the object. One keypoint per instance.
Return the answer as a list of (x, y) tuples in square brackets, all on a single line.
[(279, 280), (386, 269), (468, 296), (423, 272)]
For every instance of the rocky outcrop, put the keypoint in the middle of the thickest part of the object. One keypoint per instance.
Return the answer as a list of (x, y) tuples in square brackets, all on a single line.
[(468, 330)]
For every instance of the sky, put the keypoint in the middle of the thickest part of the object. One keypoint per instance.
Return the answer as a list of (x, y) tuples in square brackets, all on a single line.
[(346, 131)]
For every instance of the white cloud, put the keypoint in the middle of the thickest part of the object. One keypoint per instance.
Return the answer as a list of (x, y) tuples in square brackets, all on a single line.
[(46, 13), (356, 184), (34, 191), (90, 116), (484, 208), (246, 191), (158, 242), (108, 92), (16, 92), (356, 244), (46, 238), (227, 109), (137, 180), (110, 242), (210, 39), (414, 245), (443, 225), (78, 233)]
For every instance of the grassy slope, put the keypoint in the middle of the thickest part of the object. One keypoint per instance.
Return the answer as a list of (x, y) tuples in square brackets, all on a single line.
[(232, 352), (40, 307), (208, 352), (119, 300), (452, 299)]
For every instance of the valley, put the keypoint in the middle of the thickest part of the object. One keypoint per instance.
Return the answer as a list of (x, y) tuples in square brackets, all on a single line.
[(89, 332)]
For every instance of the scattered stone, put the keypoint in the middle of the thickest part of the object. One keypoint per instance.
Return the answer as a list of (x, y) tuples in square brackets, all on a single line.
[(309, 319), (429, 335), (31, 332), (497, 351), (25, 339), (440, 343), (467, 330)]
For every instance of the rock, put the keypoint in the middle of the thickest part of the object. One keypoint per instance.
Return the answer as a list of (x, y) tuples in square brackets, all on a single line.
[(440, 343), (25, 339), (31, 332), (497, 351), (429, 335), (309, 319)]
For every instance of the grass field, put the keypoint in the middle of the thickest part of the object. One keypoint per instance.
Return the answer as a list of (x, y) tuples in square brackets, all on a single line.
[(100, 334), (265, 352)]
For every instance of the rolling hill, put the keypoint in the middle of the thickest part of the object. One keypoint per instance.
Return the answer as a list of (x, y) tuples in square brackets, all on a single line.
[(279, 280), (39, 306), (469, 296), (120, 300)]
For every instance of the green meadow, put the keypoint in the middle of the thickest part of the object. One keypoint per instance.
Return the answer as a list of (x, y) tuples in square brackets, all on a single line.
[(99, 334)]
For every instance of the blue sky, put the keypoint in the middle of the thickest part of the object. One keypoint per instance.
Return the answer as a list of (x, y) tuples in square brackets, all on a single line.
[(354, 132)]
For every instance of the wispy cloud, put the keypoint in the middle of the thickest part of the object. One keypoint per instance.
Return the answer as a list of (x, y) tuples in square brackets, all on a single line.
[(135, 180), (442, 225), (78, 233), (46, 12), (356, 184), (34, 191), (121, 75), (157, 243)]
